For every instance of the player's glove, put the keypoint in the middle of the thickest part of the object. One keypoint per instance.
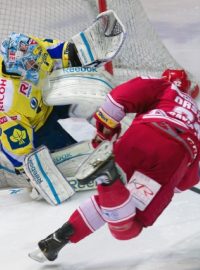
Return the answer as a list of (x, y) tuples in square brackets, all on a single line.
[(106, 127)]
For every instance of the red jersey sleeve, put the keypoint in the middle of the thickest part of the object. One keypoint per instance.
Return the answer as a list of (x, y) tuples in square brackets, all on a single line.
[(140, 94)]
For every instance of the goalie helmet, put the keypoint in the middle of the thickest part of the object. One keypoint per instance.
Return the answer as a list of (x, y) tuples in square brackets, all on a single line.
[(179, 78), (25, 57)]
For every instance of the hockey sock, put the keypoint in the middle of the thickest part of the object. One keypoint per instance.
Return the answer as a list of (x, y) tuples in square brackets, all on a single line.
[(125, 230), (118, 209), (85, 220)]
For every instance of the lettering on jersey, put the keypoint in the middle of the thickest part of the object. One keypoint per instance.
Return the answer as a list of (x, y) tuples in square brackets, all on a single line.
[(2, 93), (187, 112), (25, 89), (193, 147), (184, 112), (5, 119), (17, 137), (188, 104), (6, 94)]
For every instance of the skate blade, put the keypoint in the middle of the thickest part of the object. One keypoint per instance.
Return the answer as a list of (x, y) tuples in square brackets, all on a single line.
[(37, 255), (100, 155)]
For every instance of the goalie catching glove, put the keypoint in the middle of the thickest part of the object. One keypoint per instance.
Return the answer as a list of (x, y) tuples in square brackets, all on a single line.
[(101, 41)]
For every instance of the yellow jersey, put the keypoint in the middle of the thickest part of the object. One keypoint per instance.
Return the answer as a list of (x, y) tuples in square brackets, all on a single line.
[(22, 112)]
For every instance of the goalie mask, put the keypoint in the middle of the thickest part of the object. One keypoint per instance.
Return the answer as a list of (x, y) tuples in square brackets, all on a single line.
[(179, 78), (25, 57)]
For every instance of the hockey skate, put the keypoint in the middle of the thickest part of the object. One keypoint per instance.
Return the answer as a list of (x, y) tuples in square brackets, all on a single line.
[(49, 247), (99, 163)]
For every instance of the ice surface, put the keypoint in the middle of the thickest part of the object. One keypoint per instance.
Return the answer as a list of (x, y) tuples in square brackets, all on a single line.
[(172, 243)]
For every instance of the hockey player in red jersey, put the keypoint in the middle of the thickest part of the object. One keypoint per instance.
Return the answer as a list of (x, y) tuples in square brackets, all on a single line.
[(157, 155)]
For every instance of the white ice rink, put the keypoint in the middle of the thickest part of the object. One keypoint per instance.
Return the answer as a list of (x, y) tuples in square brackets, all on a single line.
[(172, 243)]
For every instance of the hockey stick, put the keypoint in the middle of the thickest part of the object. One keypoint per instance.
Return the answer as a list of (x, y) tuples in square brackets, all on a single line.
[(195, 189)]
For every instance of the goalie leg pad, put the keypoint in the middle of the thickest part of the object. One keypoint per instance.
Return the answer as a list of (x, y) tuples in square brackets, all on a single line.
[(46, 178), (68, 161)]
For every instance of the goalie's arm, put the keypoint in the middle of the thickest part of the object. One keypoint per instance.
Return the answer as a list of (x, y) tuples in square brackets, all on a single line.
[(96, 45), (66, 52)]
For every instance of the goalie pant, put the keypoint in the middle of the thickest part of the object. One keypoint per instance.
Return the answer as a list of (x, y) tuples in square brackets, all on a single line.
[(161, 158)]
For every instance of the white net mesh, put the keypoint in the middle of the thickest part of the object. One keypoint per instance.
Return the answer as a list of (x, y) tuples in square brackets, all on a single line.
[(143, 53), (45, 18)]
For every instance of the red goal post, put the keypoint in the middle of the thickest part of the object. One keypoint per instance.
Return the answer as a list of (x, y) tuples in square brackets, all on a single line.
[(103, 7)]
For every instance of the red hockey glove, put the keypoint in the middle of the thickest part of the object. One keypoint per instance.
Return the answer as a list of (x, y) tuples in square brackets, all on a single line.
[(107, 128)]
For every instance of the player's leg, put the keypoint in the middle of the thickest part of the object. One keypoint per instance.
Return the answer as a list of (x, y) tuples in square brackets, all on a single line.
[(151, 156), (113, 205), (116, 203), (158, 163), (83, 222)]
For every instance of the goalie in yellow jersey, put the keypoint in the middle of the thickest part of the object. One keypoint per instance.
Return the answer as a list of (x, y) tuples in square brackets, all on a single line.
[(26, 122)]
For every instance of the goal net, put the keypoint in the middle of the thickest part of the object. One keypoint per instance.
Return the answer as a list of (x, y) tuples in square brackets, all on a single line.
[(143, 53)]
